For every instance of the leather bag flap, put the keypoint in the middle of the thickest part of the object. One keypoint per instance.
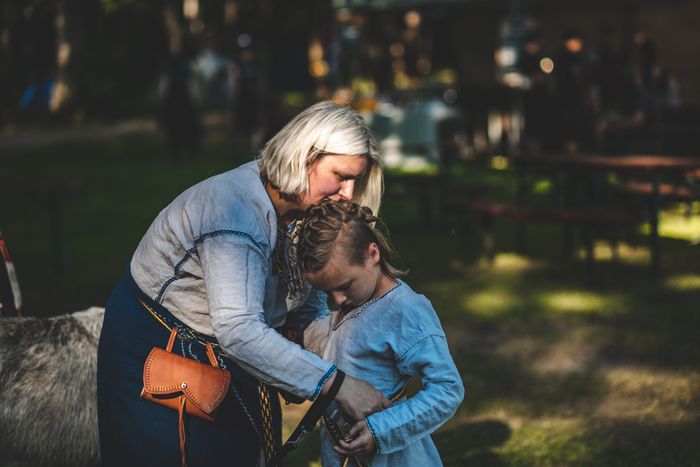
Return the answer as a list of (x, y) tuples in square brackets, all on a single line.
[(167, 373)]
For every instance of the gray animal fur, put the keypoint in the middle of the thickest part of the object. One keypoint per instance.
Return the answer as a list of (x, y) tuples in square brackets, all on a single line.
[(48, 380)]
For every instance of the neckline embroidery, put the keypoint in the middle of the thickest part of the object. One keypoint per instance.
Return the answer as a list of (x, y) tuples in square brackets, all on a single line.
[(357, 311), (284, 257), (284, 254)]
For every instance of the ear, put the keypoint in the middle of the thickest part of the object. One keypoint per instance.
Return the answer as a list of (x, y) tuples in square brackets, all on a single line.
[(374, 256)]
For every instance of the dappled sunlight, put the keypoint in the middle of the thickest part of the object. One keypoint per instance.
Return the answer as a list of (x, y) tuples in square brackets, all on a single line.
[(650, 394), (626, 252), (680, 227), (568, 356), (675, 224), (550, 441), (517, 348), (542, 187), (574, 301), (683, 283), (490, 303), (504, 263), (512, 263), (603, 251), (572, 351)]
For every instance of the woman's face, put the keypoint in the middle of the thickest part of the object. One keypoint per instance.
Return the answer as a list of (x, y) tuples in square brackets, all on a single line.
[(333, 177)]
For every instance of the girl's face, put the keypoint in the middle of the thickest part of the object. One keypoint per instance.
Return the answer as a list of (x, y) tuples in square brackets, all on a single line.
[(350, 285), (333, 177)]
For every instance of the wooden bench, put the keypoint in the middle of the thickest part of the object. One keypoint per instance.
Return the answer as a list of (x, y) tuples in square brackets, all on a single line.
[(429, 191), (682, 193), (522, 214), (667, 192)]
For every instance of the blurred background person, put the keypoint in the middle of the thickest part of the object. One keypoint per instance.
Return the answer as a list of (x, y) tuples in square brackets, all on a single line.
[(536, 96), (247, 113), (178, 111), (573, 94)]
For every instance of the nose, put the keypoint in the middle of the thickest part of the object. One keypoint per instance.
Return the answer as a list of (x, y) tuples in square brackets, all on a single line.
[(339, 298), (346, 189)]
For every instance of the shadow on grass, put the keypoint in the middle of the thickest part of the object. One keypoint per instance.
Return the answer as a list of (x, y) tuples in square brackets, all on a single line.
[(503, 383), (627, 443), (473, 443)]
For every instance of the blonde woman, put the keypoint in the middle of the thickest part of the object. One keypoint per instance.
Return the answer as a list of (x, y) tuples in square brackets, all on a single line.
[(219, 264)]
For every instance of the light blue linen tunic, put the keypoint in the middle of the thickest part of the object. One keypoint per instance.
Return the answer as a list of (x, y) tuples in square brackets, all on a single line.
[(385, 342), (207, 259)]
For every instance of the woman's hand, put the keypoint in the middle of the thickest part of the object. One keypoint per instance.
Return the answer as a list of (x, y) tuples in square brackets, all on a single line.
[(360, 441), (357, 398)]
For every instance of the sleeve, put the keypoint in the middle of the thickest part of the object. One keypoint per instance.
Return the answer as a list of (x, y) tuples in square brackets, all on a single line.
[(314, 318), (235, 272), (315, 307), (399, 426), (316, 334), (309, 325)]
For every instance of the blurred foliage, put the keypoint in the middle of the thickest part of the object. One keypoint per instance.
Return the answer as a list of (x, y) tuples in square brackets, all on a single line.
[(111, 6)]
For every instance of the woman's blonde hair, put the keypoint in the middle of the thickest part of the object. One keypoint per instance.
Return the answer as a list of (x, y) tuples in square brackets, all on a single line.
[(322, 129), (346, 228)]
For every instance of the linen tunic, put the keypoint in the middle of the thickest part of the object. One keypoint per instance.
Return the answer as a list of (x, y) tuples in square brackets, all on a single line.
[(385, 342), (207, 259)]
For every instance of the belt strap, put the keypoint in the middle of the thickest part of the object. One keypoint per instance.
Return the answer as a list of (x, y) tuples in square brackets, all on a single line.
[(181, 429), (308, 422)]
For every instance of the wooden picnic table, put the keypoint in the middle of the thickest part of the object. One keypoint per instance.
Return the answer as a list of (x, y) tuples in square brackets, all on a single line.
[(652, 166)]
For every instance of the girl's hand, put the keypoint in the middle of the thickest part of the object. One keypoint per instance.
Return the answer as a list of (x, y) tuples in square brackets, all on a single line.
[(360, 441)]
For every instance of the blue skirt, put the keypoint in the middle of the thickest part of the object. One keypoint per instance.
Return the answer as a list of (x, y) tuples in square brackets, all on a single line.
[(136, 432)]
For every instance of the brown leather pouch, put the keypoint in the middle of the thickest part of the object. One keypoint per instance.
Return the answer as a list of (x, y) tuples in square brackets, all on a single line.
[(183, 384)]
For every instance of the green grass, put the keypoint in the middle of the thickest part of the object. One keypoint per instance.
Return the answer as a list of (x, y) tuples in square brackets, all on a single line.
[(557, 373), (116, 188)]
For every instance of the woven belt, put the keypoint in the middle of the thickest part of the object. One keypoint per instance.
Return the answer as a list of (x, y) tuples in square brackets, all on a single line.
[(395, 397)]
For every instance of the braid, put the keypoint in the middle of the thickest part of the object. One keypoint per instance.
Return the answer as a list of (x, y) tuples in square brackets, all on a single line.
[(341, 226)]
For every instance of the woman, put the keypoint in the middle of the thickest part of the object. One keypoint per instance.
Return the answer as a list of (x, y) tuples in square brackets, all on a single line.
[(219, 264)]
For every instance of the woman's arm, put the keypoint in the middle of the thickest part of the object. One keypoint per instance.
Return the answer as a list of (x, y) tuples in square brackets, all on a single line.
[(316, 335), (311, 322), (235, 273)]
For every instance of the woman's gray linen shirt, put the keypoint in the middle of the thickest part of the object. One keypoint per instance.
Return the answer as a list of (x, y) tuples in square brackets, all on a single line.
[(207, 259)]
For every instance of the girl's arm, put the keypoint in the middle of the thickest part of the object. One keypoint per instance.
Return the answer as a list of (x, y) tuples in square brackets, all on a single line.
[(406, 422)]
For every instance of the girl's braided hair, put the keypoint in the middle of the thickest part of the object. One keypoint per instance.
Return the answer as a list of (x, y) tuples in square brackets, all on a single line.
[(345, 227)]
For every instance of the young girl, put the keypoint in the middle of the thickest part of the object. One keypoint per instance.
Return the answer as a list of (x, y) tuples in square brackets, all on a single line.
[(382, 332)]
